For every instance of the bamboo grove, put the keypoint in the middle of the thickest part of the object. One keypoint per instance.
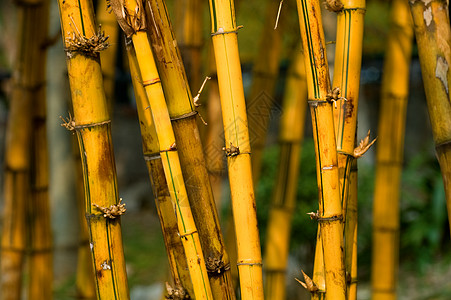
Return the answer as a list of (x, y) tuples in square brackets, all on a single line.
[(224, 129)]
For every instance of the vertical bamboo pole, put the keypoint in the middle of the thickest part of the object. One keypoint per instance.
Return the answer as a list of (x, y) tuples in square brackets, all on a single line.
[(330, 214), (237, 147), (108, 57), (182, 113), (390, 150), (432, 32), (28, 85), (348, 57), (85, 277), (39, 228), (135, 27), (284, 194), (264, 76), (92, 125), (168, 220), (188, 31)]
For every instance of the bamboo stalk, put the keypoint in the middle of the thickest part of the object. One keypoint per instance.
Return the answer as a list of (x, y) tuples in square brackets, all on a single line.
[(264, 76), (136, 30), (108, 57), (351, 234), (39, 227), (168, 220), (85, 278), (432, 32), (237, 147), (188, 30), (348, 57), (284, 194), (92, 125), (181, 109), (390, 150), (330, 213), (28, 83)]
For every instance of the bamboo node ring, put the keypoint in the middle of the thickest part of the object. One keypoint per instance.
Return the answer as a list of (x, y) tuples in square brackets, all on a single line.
[(88, 46), (69, 124), (222, 31), (173, 147), (316, 216), (186, 234), (112, 211), (232, 151), (249, 264)]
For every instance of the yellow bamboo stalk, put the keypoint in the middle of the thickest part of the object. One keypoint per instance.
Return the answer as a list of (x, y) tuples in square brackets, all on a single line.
[(92, 125), (348, 57), (237, 147), (330, 214), (284, 194), (389, 157), (432, 32), (39, 227), (188, 30), (168, 148), (264, 76), (351, 234), (28, 86), (108, 57), (85, 280), (168, 220), (181, 110)]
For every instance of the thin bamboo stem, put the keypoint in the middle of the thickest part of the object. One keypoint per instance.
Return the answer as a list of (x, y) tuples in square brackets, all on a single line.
[(330, 215), (39, 227), (108, 57), (168, 220), (432, 32), (284, 194), (28, 81), (237, 147), (264, 76), (188, 30), (390, 150), (92, 125), (183, 116), (85, 278), (348, 57)]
